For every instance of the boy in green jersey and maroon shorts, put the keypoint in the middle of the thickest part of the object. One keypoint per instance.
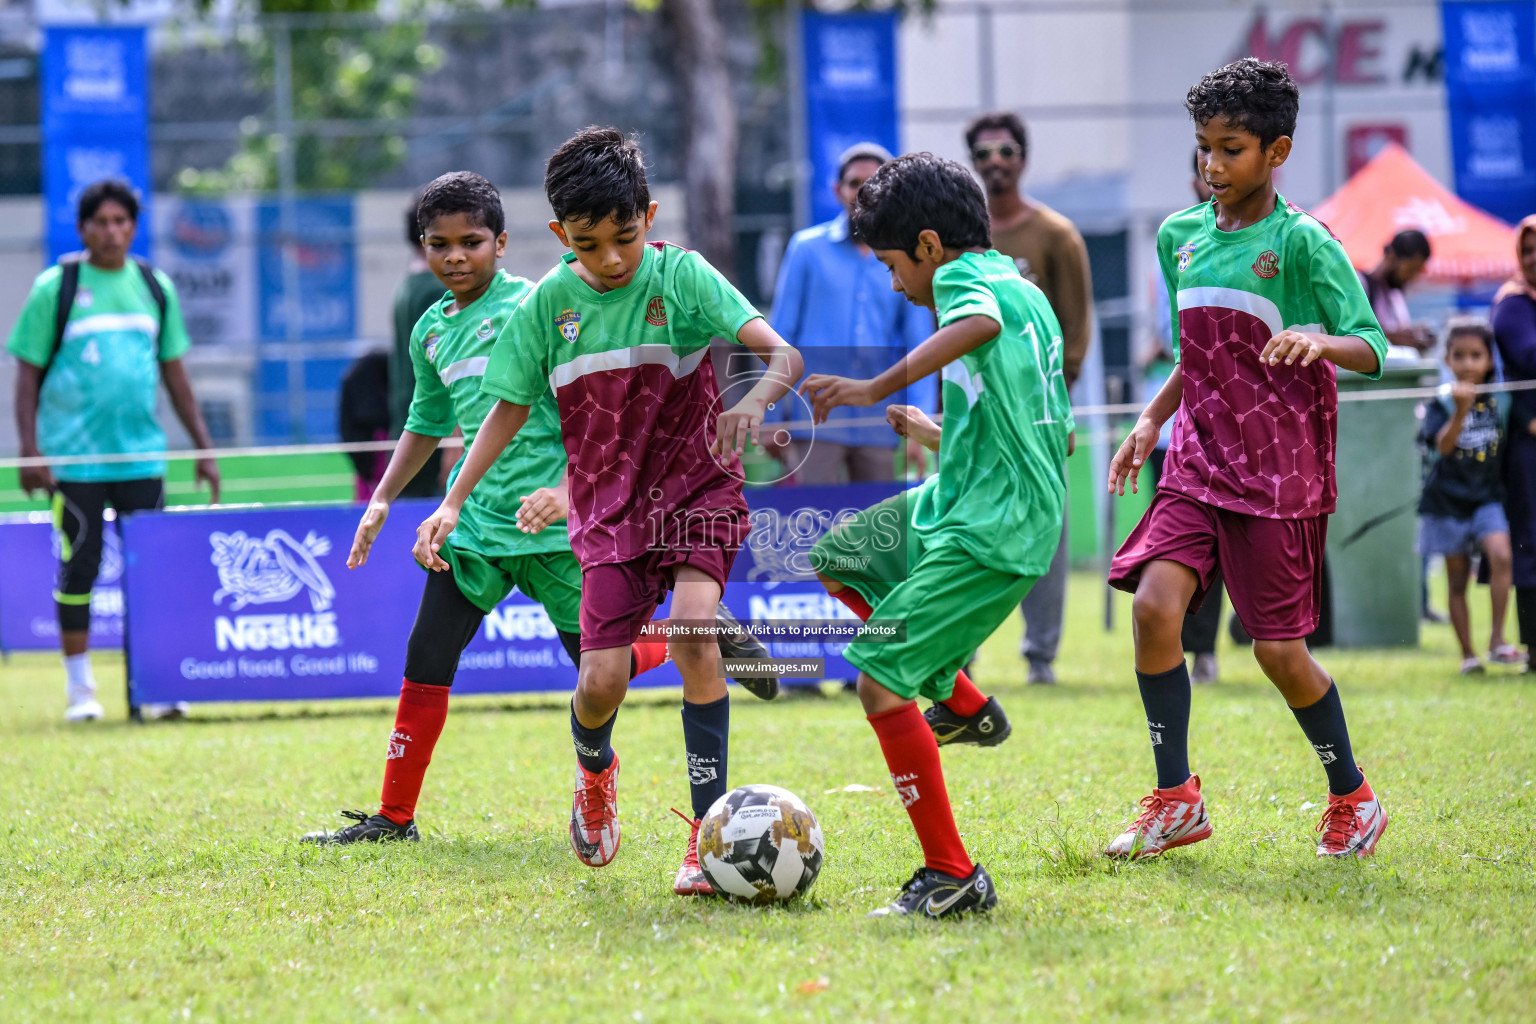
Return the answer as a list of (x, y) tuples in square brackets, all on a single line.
[(1265, 307), (950, 559), (501, 541), (619, 334)]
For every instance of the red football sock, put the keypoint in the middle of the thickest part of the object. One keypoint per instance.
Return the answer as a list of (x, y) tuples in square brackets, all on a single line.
[(912, 754), (648, 654), (855, 603), (418, 723), (966, 700)]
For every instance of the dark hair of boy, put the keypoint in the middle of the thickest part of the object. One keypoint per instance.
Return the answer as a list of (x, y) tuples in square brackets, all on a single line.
[(1255, 95), (920, 192), (461, 192), (119, 192), (596, 174), (1408, 244), (1000, 119)]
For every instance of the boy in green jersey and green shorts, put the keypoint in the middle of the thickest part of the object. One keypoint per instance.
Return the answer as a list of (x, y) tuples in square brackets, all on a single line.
[(950, 559), (501, 541)]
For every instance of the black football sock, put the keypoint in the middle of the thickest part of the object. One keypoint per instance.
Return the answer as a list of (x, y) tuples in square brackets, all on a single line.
[(1165, 696), (706, 732), (1323, 723), (592, 747)]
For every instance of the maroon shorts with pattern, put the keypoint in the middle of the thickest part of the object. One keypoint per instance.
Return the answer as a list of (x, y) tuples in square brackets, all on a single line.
[(619, 598), (1273, 568)]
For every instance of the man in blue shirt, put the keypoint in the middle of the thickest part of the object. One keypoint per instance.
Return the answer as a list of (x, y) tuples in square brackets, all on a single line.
[(834, 302)]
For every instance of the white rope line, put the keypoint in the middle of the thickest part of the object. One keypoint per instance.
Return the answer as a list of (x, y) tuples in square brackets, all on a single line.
[(1078, 411)]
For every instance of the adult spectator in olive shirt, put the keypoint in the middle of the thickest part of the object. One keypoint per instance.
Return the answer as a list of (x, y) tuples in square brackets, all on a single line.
[(413, 297), (1048, 250)]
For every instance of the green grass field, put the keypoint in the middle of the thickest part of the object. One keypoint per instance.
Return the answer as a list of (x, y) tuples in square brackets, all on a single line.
[(151, 873)]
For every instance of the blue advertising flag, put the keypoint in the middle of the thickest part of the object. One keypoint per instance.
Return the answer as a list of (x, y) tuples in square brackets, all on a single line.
[(95, 115), (1490, 81), (850, 93)]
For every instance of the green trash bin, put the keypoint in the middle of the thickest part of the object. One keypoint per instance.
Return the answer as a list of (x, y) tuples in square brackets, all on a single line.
[(1372, 553)]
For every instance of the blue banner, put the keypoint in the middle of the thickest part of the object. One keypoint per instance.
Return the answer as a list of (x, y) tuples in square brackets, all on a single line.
[(850, 93), (29, 620), (95, 119), (1490, 81), (257, 604), (327, 258)]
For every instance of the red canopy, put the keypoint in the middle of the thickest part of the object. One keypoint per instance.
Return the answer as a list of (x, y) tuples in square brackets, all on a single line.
[(1391, 193)]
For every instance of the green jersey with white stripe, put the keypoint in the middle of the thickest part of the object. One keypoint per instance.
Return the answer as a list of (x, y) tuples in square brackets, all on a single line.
[(99, 395), (1002, 484), (448, 353), (1250, 437)]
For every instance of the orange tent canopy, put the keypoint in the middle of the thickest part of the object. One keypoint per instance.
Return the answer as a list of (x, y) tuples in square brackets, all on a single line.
[(1392, 193)]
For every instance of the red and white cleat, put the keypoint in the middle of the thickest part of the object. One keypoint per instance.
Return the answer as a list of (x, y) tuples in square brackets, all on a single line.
[(1169, 818), (690, 880), (595, 815), (1352, 824)]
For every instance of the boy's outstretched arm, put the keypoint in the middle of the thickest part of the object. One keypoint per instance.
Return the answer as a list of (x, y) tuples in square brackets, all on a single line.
[(501, 425), (946, 345), (1303, 348), (410, 454), (1127, 463), (745, 418)]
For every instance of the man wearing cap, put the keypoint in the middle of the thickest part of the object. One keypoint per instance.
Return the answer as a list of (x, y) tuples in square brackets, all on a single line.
[(834, 302)]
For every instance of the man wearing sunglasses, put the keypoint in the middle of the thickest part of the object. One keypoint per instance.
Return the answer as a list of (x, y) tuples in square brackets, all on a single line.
[(1049, 251)]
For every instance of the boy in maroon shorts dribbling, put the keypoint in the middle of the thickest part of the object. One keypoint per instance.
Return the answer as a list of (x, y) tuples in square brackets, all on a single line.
[(620, 332), (1266, 306)]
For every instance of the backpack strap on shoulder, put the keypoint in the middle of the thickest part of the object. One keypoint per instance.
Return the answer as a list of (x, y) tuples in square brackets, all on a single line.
[(69, 286)]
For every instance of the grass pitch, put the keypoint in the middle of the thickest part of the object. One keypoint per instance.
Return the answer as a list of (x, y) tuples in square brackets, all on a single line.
[(151, 873)]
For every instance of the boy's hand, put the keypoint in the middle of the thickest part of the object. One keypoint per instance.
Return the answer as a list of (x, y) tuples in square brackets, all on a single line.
[(1127, 463), (911, 422), (544, 506), (1463, 394), (367, 532), (737, 424), (1071, 443), (431, 535), (827, 392), (1291, 347)]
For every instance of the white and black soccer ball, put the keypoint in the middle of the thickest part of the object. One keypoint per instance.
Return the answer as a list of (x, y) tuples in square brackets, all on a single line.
[(760, 844)]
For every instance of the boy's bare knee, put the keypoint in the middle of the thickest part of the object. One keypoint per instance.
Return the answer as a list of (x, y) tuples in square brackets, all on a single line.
[(1276, 657), (601, 688), (1153, 614)]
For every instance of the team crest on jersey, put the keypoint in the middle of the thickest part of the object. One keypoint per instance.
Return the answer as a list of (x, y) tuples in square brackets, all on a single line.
[(1267, 265), (569, 324), (485, 330), (84, 299), (430, 345), (656, 312), (1184, 252)]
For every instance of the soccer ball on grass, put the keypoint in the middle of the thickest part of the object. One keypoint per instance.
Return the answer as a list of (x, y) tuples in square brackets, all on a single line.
[(760, 844)]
